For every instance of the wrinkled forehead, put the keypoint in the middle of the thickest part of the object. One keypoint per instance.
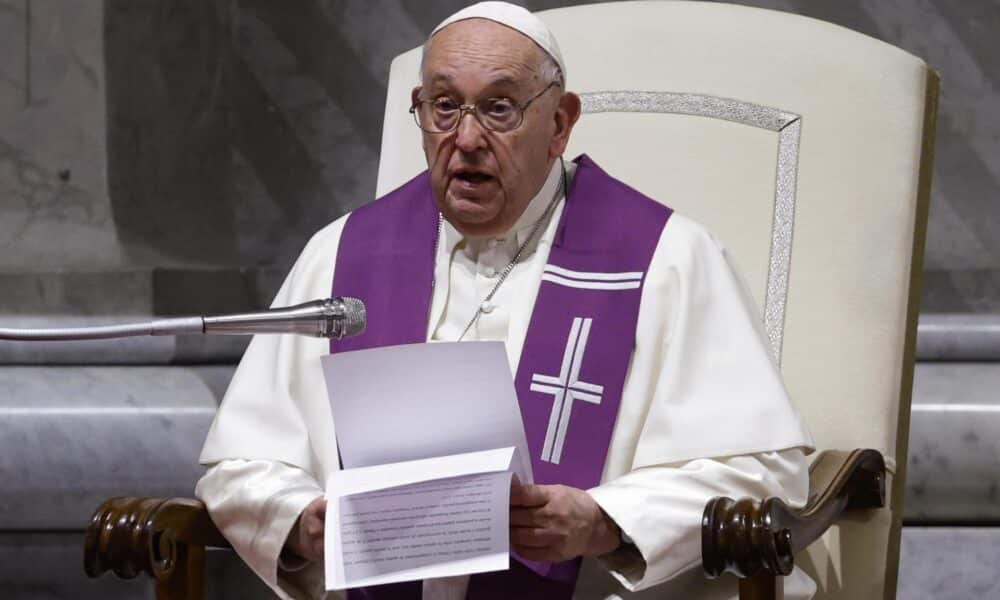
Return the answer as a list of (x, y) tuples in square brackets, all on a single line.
[(477, 37), (481, 44)]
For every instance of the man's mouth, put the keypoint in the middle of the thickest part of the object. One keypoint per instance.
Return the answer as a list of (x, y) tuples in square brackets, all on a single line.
[(472, 177)]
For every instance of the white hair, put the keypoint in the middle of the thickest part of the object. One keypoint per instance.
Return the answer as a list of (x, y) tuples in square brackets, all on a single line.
[(550, 71)]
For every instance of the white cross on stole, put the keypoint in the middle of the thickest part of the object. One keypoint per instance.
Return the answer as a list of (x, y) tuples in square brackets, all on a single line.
[(565, 388)]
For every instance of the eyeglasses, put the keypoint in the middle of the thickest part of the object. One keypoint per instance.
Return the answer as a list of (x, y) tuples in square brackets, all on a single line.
[(443, 114)]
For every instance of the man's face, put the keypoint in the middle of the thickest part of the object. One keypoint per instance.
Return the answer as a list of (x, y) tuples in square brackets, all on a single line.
[(482, 179)]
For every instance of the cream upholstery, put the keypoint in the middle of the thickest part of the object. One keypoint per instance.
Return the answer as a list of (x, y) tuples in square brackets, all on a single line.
[(860, 105)]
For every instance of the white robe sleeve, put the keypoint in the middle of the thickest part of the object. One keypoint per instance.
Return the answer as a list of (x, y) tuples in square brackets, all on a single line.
[(704, 411), (712, 387), (276, 407), (661, 507), (255, 504)]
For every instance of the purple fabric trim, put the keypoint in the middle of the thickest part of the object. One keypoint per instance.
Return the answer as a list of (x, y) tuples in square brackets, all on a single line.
[(606, 227), (386, 258), (408, 590)]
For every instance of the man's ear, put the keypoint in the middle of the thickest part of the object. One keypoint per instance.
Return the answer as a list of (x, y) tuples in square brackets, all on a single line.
[(566, 116)]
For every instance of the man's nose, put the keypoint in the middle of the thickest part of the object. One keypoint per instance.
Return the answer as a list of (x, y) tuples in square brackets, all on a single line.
[(470, 135)]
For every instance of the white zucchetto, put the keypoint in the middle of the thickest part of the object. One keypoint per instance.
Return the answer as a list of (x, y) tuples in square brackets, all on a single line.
[(517, 18)]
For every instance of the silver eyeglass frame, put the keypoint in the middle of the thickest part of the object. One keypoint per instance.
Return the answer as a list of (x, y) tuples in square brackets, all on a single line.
[(473, 109)]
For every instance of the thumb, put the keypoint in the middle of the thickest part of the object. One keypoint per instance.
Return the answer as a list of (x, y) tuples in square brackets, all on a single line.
[(528, 495)]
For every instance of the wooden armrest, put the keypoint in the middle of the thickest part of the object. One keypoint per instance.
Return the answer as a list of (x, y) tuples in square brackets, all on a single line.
[(752, 538), (163, 537)]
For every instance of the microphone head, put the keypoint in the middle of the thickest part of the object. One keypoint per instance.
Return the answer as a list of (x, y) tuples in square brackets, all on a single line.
[(354, 317)]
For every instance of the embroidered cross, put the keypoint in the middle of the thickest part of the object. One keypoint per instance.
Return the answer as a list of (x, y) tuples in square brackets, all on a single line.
[(566, 388)]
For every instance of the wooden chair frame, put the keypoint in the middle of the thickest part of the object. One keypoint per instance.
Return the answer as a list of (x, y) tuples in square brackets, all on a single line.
[(753, 539)]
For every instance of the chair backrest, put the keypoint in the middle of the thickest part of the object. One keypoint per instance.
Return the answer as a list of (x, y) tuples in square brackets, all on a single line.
[(803, 146)]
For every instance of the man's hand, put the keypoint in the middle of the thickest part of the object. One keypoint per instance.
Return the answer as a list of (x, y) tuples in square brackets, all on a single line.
[(556, 522), (306, 538)]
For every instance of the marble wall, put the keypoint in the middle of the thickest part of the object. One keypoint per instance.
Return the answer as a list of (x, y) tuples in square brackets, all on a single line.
[(55, 211), (163, 157), (147, 134)]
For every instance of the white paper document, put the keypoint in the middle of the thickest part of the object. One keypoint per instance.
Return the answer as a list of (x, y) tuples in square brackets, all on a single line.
[(430, 436), (435, 517)]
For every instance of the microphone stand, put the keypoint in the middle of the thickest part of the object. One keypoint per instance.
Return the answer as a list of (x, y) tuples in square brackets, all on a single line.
[(328, 318)]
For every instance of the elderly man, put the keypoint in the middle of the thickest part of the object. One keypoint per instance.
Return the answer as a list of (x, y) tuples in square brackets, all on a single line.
[(501, 239)]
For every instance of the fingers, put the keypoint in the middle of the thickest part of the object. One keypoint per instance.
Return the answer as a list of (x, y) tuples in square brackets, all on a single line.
[(317, 507), (317, 550), (310, 548), (312, 551), (538, 543), (524, 517), (536, 516), (528, 495), (306, 537), (533, 537), (312, 530), (313, 527)]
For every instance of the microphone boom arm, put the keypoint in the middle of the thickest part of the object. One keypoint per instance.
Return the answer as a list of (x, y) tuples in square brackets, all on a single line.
[(330, 318)]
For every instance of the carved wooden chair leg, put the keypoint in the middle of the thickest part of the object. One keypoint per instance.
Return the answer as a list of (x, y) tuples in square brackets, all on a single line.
[(185, 578), (762, 587), (164, 538), (757, 539)]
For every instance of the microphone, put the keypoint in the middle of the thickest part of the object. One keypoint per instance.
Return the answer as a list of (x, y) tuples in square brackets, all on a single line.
[(335, 318)]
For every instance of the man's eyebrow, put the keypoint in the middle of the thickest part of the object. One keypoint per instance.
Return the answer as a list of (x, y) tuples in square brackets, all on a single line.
[(440, 78), (504, 80)]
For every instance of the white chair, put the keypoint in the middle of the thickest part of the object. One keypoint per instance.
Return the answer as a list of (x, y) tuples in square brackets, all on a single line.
[(806, 148)]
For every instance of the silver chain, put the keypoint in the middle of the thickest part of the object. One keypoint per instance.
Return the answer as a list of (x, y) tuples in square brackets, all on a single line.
[(517, 256)]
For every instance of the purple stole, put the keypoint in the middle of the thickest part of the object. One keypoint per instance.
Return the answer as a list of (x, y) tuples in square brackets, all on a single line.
[(578, 345)]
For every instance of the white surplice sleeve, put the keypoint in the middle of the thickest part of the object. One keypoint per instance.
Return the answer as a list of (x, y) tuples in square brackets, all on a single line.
[(255, 504), (704, 412), (661, 507)]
